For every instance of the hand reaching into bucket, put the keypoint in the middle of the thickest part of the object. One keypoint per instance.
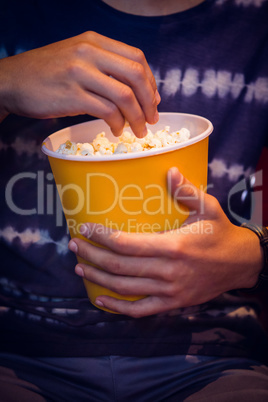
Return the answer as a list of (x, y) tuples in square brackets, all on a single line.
[(207, 256), (86, 74)]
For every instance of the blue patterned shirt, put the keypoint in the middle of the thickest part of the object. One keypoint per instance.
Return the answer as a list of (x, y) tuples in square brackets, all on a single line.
[(211, 60)]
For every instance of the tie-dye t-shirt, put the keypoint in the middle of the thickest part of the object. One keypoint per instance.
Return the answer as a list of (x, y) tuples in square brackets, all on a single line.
[(211, 60)]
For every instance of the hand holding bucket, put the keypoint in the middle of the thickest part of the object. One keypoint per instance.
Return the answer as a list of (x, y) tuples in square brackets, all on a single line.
[(126, 191)]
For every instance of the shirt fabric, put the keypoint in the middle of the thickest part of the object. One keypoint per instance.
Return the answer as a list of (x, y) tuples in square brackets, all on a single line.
[(211, 60)]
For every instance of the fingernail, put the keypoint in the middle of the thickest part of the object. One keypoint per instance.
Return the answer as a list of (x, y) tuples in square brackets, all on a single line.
[(156, 117), (73, 246), (144, 132), (174, 173), (84, 230), (79, 271), (157, 96), (116, 133), (99, 303), (173, 170)]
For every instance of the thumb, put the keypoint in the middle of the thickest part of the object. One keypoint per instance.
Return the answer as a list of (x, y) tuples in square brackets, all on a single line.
[(184, 191)]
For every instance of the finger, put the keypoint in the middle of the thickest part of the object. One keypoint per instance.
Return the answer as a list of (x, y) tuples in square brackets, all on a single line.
[(123, 285), (118, 264), (119, 94), (132, 74), (127, 65), (101, 107), (124, 50), (134, 244), (139, 308), (184, 191)]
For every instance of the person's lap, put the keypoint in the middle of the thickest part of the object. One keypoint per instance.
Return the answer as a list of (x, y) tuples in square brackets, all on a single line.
[(120, 379)]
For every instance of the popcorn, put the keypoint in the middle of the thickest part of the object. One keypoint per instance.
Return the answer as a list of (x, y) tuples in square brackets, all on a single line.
[(136, 147), (127, 143), (85, 149), (121, 148), (68, 148)]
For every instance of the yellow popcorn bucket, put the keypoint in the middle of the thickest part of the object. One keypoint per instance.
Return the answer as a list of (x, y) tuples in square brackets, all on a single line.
[(127, 192)]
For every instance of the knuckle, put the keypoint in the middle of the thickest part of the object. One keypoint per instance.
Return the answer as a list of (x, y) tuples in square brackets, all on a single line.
[(138, 55), (169, 273), (118, 241), (81, 48), (186, 191), (174, 250), (171, 290), (126, 95), (114, 266), (90, 36), (189, 190), (119, 287), (74, 70), (115, 286), (138, 71), (110, 111)]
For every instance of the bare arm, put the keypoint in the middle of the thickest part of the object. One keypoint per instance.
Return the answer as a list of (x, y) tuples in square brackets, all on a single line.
[(189, 266), (86, 74)]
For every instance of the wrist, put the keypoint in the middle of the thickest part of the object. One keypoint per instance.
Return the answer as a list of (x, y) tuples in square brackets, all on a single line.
[(261, 235), (4, 88)]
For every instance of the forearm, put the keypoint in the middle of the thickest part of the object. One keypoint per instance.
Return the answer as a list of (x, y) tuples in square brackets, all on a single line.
[(4, 88), (199, 266)]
